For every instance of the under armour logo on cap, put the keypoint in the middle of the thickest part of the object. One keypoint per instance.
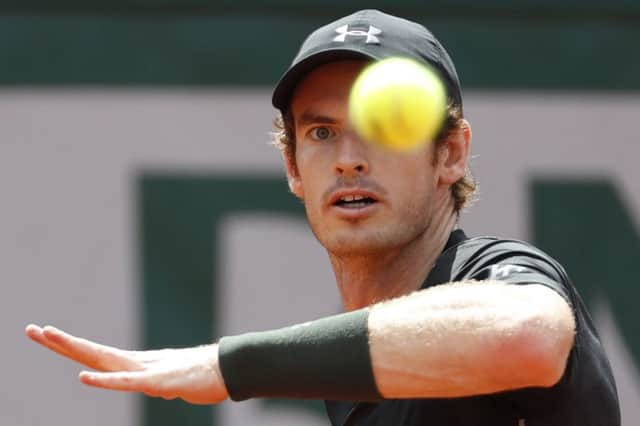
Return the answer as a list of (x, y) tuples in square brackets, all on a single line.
[(370, 34)]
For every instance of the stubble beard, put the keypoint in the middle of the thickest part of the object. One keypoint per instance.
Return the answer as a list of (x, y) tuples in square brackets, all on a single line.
[(364, 238)]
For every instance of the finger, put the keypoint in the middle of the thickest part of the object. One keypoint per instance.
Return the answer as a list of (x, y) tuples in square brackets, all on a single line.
[(35, 333), (88, 353), (133, 381)]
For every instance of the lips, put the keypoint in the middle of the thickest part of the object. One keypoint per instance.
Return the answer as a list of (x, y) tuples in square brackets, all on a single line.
[(353, 199)]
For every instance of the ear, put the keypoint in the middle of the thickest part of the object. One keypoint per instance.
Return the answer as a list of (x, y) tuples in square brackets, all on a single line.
[(293, 177), (454, 155)]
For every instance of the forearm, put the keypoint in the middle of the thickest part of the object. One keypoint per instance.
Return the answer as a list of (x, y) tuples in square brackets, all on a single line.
[(468, 339)]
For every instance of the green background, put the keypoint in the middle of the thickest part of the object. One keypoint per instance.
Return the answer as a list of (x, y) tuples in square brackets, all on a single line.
[(496, 44)]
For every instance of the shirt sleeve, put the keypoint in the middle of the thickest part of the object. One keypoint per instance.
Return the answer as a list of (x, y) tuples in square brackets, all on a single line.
[(514, 262)]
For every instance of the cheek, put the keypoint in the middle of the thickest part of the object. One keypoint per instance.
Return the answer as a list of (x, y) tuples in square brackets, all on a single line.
[(304, 171), (410, 183), (311, 173), (314, 159), (415, 171)]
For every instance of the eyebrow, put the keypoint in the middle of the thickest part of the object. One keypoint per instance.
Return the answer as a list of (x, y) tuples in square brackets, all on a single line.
[(310, 117)]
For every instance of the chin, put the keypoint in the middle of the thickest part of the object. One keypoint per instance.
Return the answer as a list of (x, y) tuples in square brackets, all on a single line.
[(355, 243), (368, 237)]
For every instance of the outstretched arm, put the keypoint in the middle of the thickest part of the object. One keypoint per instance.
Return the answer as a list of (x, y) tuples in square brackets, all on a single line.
[(452, 340)]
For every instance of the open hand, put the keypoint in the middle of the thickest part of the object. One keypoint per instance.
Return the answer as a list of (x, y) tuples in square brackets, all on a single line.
[(192, 374)]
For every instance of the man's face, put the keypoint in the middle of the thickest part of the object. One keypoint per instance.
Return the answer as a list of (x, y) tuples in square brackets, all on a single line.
[(360, 199)]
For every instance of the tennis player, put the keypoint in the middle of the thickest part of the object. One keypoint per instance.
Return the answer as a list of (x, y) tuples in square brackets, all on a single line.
[(439, 328)]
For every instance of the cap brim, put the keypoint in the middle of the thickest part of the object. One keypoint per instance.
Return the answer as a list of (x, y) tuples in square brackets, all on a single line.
[(288, 82)]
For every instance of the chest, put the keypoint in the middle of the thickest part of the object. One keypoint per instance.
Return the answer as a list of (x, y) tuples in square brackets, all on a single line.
[(483, 411)]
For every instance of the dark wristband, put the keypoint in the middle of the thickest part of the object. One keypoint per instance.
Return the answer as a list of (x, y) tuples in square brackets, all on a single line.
[(324, 359)]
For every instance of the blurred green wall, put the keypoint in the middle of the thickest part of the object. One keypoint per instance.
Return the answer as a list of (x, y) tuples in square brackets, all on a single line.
[(524, 44)]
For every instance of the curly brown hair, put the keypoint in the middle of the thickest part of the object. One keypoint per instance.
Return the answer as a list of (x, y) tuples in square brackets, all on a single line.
[(461, 191)]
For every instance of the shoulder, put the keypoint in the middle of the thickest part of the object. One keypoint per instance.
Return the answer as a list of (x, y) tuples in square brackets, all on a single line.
[(490, 257), (483, 245), (510, 261), (476, 253)]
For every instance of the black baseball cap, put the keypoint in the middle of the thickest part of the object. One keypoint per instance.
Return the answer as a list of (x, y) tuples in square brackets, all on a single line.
[(373, 35)]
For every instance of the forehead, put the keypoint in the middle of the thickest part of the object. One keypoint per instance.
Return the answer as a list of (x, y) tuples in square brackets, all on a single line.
[(326, 83)]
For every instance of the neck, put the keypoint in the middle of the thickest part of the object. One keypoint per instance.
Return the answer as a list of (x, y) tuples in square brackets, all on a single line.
[(368, 279)]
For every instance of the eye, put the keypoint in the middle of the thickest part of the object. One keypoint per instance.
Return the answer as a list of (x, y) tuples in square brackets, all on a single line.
[(321, 133)]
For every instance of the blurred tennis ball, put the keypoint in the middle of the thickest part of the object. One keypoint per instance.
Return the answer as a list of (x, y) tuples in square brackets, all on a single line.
[(398, 103)]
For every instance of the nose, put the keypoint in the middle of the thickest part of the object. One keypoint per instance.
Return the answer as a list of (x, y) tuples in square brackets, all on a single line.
[(351, 159)]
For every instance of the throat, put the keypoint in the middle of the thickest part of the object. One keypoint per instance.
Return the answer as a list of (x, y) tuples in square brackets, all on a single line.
[(367, 280), (364, 280)]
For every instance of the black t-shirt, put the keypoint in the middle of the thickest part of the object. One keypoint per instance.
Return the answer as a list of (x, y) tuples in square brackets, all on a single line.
[(585, 396)]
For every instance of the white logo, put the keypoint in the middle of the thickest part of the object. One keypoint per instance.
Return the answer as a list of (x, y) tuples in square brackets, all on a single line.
[(371, 34), (499, 272)]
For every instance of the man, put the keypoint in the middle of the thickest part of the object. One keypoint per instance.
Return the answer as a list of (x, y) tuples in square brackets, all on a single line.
[(439, 329)]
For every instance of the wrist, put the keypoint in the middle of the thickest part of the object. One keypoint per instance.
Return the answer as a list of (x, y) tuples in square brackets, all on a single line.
[(214, 367), (323, 359)]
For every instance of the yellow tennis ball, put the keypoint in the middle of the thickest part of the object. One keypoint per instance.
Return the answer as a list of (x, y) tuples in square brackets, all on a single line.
[(398, 103)]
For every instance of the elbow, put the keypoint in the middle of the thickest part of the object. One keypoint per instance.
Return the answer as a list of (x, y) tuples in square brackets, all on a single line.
[(543, 362), (544, 344)]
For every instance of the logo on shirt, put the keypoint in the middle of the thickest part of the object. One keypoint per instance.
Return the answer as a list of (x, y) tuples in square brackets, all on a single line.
[(500, 272), (370, 34)]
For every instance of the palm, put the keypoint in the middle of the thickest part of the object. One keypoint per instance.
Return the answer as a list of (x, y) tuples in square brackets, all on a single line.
[(189, 373)]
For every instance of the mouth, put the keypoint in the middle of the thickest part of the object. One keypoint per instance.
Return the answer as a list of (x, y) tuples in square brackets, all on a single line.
[(354, 201)]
